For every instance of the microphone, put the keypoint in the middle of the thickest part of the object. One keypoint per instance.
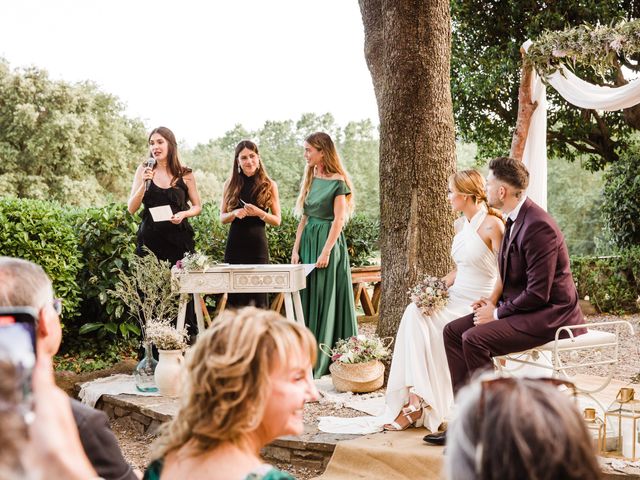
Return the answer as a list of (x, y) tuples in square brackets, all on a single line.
[(148, 164)]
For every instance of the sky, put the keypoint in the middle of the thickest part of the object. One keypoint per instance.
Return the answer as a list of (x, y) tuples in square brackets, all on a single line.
[(200, 67)]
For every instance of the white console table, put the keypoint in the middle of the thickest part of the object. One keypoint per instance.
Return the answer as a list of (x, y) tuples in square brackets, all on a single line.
[(287, 279)]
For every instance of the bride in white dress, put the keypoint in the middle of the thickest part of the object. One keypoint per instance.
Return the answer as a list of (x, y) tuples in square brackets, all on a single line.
[(419, 389)]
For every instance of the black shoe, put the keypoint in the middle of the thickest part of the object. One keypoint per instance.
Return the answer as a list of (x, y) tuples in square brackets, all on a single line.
[(439, 438)]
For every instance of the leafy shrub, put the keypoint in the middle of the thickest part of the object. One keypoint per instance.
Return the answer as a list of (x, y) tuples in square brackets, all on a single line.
[(621, 208), (82, 251), (362, 234), (107, 238), (210, 234), (611, 283), (42, 232), (282, 238)]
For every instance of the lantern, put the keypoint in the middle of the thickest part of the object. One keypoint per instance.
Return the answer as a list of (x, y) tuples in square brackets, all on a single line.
[(595, 426), (621, 424)]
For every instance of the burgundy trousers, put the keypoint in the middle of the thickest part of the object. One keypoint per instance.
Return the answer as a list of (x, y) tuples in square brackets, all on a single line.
[(470, 348)]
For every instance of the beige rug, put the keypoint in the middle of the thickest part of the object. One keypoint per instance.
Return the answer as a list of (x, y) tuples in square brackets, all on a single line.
[(388, 456)]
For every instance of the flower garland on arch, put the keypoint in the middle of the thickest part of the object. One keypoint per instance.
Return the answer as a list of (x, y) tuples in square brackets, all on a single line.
[(600, 47)]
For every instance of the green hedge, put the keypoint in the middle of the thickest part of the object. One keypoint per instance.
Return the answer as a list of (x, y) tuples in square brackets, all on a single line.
[(43, 232), (107, 240), (611, 283), (83, 249)]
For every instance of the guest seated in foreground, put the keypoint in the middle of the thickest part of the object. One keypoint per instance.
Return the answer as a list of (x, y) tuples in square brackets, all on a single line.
[(31, 446), (248, 378), (511, 428), (25, 284)]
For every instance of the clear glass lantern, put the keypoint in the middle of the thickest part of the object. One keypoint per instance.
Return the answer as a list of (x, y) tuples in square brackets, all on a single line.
[(621, 425), (595, 426)]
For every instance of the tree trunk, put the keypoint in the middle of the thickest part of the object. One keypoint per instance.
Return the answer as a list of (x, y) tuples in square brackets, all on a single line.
[(407, 49), (525, 110)]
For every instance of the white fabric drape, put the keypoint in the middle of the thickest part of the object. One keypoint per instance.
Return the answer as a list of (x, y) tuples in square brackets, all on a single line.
[(577, 92)]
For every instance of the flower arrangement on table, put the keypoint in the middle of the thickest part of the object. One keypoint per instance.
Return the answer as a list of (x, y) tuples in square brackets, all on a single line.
[(195, 261), (430, 294), (357, 365), (166, 337)]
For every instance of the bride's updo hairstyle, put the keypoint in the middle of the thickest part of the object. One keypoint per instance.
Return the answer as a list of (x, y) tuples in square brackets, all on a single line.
[(227, 380), (470, 182)]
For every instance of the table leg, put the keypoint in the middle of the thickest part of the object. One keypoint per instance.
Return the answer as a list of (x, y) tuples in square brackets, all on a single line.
[(288, 307), (182, 311), (197, 299), (297, 303)]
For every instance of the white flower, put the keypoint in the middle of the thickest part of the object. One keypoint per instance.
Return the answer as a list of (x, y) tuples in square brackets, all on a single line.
[(361, 338)]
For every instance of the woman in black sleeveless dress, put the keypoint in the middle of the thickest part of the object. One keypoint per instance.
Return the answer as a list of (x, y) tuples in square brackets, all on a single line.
[(169, 183), (249, 201)]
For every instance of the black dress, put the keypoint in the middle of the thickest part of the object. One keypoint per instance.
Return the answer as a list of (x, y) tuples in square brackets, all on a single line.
[(247, 244), (167, 240)]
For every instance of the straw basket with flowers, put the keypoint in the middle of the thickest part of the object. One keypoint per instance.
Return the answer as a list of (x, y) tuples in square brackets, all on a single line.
[(357, 365)]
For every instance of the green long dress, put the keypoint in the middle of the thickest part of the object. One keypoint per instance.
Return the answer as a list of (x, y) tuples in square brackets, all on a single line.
[(327, 302)]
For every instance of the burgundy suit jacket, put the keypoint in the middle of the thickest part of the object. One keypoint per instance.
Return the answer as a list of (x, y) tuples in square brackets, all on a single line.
[(539, 294)]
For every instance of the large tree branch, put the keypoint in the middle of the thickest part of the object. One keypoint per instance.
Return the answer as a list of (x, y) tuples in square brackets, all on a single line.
[(581, 147), (525, 110)]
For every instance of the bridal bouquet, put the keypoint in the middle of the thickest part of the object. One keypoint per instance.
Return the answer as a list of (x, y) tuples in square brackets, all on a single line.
[(429, 295)]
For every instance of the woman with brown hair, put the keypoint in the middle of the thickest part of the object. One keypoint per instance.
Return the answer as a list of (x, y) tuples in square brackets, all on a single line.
[(325, 203), (517, 429), (168, 182), (249, 201), (419, 388), (247, 380)]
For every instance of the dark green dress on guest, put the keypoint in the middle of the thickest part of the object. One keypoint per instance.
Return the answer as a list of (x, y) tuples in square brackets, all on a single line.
[(327, 302)]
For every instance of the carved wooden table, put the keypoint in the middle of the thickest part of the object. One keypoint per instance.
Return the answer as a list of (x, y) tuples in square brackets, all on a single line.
[(287, 279)]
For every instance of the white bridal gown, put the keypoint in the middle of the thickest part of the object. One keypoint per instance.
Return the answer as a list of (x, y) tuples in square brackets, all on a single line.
[(419, 361)]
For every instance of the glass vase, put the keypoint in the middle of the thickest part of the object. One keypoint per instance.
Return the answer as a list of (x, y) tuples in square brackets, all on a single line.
[(144, 372)]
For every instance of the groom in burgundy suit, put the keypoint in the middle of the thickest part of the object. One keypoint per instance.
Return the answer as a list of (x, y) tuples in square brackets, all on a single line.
[(535, 295)]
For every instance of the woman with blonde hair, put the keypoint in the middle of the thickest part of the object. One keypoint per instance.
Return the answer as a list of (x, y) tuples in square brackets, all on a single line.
[(419, 390), (250, 200), (247, 382), (324, 204)]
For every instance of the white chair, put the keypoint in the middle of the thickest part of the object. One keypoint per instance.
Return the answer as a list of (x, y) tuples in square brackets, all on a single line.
[(565, 357)]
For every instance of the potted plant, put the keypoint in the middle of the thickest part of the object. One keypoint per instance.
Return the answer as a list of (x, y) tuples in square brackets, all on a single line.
[(170, 343), (147, 293), (357, 365)]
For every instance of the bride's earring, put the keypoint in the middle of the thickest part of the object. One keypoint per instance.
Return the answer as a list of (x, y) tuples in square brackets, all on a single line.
[(239, 169)]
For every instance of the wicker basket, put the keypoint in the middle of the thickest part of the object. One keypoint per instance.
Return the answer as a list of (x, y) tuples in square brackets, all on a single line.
[(357, 377)]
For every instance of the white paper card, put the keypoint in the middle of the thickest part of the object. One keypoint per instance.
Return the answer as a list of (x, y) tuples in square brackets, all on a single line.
[(162, 213), (308, 268)]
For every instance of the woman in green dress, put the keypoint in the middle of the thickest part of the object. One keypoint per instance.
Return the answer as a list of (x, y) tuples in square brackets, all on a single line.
[(325, 203), (247, 380)]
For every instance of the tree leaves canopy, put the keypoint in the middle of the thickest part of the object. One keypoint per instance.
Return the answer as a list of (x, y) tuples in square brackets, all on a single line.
[(486, 63), (62, 141)]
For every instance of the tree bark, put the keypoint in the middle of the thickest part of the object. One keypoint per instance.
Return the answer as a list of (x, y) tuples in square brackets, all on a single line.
[(407, 49), (525, 110)]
